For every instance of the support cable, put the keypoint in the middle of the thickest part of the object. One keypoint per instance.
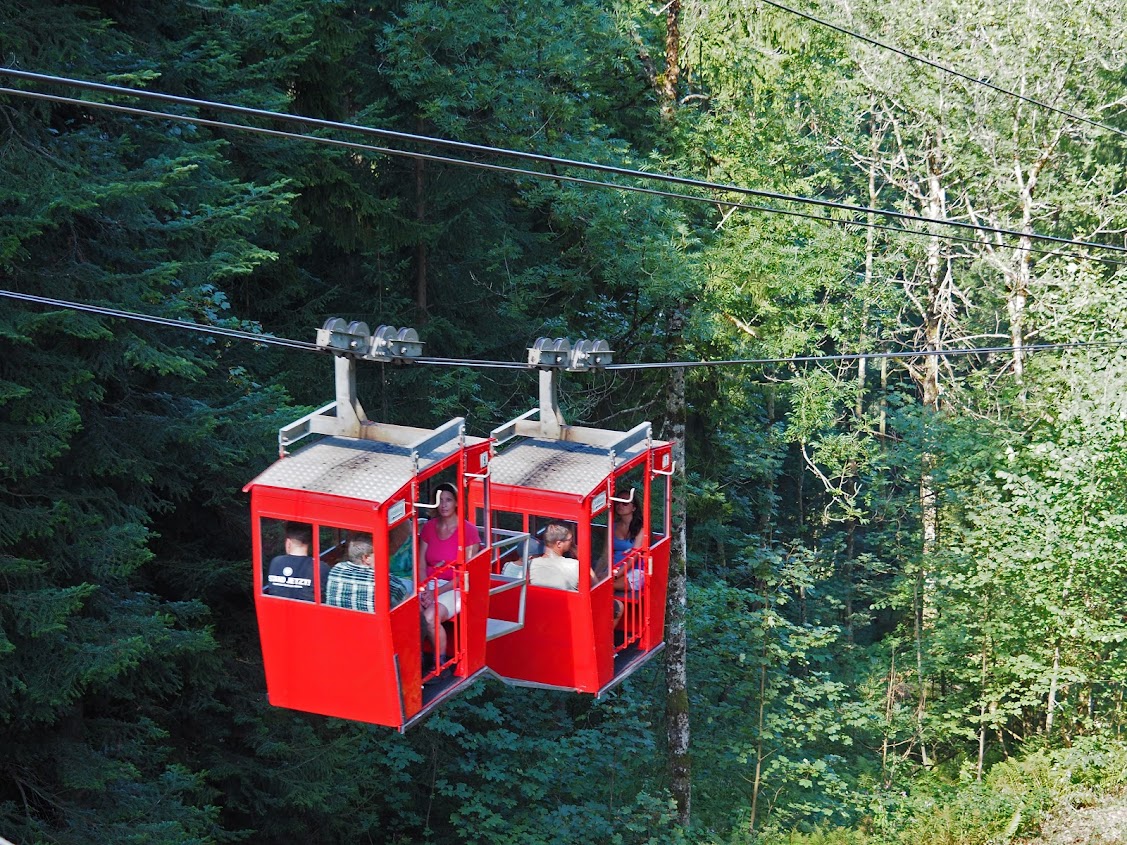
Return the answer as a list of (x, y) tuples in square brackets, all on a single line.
[(478, 148), (161, 321), (946, 69), (856, 356), (539, 174), (524, 365)]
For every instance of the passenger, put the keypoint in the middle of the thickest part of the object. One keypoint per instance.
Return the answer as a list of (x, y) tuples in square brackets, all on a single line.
[(626, 537), (513, 569), (352, 583), (291, 574), (555, 568), (438, 549)]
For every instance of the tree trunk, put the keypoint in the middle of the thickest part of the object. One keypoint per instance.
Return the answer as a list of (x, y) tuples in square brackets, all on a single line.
[(758, 744), (672, 59), (1054, 680), (848, 573), (1022, 277), (766, 522), (800, 513), (676, 637), (1015, 307), (982, 707), (882, 425), (862, 363), (889, 705), (918, 626), (934, 310)]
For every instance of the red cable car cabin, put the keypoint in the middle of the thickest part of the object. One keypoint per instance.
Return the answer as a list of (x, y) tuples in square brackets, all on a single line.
[(571, 639), (339, 620)]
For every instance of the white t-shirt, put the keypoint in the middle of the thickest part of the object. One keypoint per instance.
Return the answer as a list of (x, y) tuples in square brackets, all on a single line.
[(559, 573)]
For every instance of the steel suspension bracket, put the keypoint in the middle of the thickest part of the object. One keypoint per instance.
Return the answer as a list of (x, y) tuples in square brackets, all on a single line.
[(551, 355), (355, 340), (350, 342)]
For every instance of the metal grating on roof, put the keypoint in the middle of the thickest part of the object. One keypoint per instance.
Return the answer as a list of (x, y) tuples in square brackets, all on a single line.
[(359, 469), (556, 465)]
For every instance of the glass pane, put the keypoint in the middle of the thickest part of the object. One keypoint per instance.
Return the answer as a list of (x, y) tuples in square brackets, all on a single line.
[(287, 559), (401, 563), (629, 512), (351, 582), (599, 547), (507, 521), (557, 563), (658, 487), (331, 549), (508, 554)]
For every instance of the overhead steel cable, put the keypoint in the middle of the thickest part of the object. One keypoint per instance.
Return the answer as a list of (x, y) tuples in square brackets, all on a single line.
[(946, 68), (537, 174), (508, 153), (161, 321), (474, 363), (523, 365), (857, 356)]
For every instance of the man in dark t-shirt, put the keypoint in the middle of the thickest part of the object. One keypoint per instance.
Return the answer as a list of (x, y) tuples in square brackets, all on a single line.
[(291, 574)]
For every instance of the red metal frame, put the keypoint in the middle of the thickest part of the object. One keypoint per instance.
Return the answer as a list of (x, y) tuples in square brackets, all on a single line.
[(354, 665), (368, 666), (569, 640)]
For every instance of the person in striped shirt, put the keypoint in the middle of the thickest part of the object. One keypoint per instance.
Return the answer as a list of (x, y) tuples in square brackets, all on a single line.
[(352, 583)]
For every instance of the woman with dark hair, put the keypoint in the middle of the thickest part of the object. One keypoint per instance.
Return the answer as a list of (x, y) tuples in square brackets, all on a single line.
[(626, 536), (438, 549)]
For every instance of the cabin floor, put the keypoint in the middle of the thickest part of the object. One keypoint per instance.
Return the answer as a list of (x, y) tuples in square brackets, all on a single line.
[(437, 686), (625, 658)]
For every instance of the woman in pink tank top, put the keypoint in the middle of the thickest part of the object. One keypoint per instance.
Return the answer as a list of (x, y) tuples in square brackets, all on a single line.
[(438, 549)]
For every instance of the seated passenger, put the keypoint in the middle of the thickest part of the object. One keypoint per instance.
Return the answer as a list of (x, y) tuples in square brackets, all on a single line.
[(438, 549), (291, 574), (554, 569), (626, 537), (516, 560), (352, 583)]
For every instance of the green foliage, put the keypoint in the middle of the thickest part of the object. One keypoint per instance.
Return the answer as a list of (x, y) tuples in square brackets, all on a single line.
[(844, 671), (109, 428), (523, 766), (759, 660)]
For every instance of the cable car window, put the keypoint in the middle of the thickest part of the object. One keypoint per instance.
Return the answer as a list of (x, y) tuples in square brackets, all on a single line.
[(600, 547), (440, 553), (558, 563), (536, 526), (506, 558), (352, 581), (287, 559), (659, 514), (429, 492), (332, 549), (504, 520), (401, 562)]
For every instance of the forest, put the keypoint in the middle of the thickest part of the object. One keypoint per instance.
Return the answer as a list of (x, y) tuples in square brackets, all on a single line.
[(897, 614)]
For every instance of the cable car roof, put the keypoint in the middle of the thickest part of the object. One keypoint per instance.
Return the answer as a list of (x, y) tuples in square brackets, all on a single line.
[(345, 466), (557, 465)]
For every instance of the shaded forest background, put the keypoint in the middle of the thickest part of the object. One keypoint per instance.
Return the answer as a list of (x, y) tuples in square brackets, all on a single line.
[(905, 576)]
